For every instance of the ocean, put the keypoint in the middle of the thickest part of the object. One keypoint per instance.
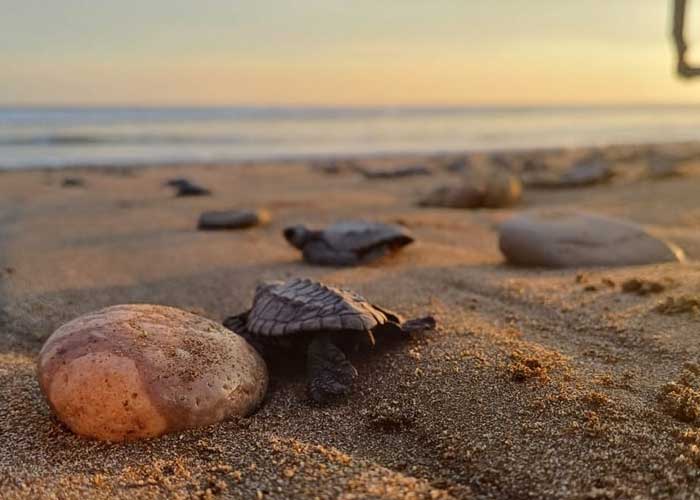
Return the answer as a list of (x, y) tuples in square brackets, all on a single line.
[(100, 136)]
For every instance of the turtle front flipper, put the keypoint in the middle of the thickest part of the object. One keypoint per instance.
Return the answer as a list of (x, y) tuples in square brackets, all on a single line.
[(329, 371), (418, 325), (237, 324), (374, 253), (319, 253)]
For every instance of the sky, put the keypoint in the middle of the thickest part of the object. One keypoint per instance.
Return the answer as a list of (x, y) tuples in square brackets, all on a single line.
[(340, 52)]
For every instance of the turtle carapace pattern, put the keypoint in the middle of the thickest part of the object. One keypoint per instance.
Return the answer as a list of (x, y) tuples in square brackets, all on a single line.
[(322, 318)]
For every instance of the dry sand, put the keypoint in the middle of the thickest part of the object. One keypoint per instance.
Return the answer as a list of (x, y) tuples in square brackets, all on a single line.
[(537, 384)]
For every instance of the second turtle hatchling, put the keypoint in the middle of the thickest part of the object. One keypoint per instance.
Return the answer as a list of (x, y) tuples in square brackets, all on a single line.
[(348, 243)]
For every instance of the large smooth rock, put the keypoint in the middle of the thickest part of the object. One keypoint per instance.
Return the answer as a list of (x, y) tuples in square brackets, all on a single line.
[(576, 239), (135, 371)]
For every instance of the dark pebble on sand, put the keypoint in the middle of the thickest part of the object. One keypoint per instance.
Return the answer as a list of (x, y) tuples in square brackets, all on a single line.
[(73, 182), (232, 219)]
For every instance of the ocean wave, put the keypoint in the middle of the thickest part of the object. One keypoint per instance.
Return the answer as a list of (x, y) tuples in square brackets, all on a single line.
[(38, 136), (57, 140), (111, 116)]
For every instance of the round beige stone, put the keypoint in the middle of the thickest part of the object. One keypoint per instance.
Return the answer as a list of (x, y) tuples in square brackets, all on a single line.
[(478, 189), (136, 371), (502, 190)]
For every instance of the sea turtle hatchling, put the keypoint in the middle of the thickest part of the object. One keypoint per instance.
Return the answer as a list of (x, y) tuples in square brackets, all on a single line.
[(347, 243), (185, 187), (324, 320)]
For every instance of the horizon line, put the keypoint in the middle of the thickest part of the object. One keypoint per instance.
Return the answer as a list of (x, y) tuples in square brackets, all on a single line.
[(323, 106)]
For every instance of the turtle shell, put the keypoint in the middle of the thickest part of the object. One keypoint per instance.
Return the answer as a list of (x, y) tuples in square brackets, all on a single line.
[(305, 306), (358, 236)]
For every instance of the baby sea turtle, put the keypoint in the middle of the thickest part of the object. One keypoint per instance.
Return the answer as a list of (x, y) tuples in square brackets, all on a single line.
[(322, 319), (185, 187), (347, 243), (73, 182), (395, 173)]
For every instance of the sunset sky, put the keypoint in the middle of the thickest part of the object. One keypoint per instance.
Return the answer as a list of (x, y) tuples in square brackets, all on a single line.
[(339, 52)]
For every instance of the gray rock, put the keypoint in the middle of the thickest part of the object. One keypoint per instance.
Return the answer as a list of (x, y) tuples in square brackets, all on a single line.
[(232, 219), (575, 239)]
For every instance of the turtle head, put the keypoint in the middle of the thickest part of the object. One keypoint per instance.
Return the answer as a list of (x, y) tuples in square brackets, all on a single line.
[(266, 286), (297, 236)]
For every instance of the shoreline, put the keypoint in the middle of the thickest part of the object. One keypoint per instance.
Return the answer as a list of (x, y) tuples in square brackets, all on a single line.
[(378, 156)]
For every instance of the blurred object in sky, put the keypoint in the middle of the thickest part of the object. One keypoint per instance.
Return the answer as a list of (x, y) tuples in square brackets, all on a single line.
[(684, 69)]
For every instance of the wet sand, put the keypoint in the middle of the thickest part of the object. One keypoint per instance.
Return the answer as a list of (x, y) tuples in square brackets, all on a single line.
[(537, 383)]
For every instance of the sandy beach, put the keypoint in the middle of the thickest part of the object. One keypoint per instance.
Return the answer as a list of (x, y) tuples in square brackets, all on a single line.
[(536, 384)]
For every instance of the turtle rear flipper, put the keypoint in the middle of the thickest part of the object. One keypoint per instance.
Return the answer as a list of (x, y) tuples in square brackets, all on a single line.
[(330, 373)]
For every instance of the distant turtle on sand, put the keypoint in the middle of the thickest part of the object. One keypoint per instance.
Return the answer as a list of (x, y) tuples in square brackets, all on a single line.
[(395, 173), (347, 243), (73, 182), (186, 188), (335, 166), (580, 175), (322, 320)]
